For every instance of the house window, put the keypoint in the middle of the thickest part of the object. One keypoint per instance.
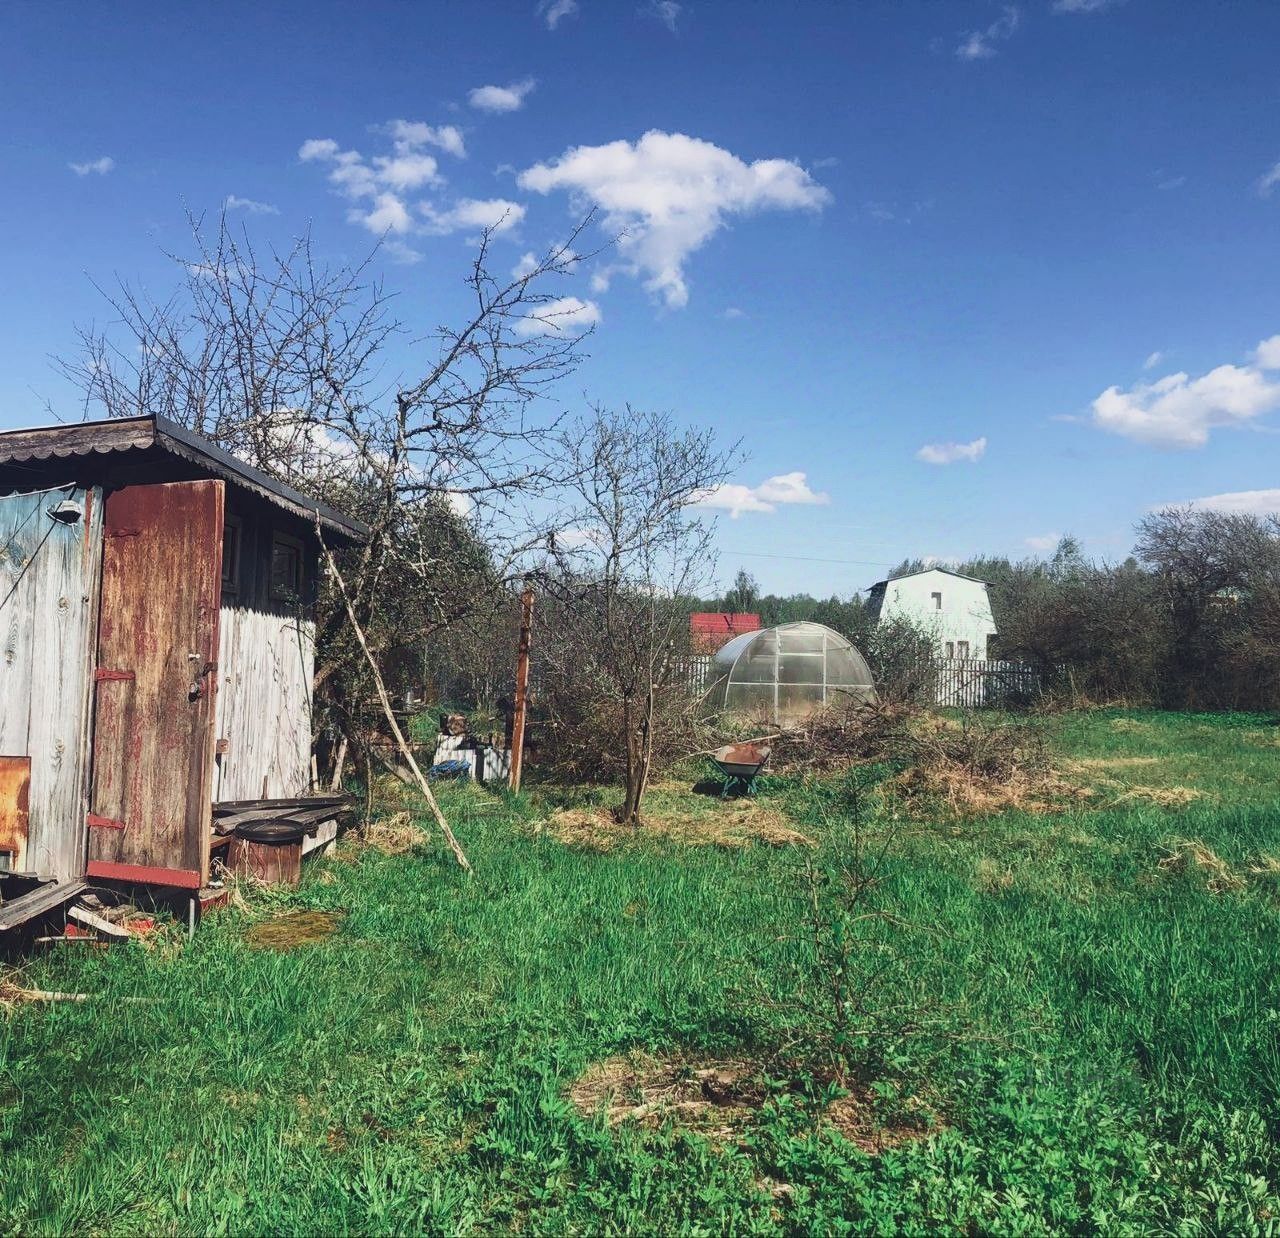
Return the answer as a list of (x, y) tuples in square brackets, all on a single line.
[(951, 649), (286, 568), (937, 600), (962, 649), (231, 556)]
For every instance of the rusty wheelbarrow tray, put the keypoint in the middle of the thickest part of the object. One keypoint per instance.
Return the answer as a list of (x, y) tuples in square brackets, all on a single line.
[(740, 765)]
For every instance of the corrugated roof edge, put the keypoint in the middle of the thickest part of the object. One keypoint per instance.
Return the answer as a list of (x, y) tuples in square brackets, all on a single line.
[(131, 433)]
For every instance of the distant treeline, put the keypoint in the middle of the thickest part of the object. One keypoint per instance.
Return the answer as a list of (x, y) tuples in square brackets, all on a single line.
[(1189, 620)]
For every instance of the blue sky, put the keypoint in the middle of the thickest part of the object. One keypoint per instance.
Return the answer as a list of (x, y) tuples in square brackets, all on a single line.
[(906, 251)]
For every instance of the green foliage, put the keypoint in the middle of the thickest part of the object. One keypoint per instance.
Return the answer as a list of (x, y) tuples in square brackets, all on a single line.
[(1098, 1036)]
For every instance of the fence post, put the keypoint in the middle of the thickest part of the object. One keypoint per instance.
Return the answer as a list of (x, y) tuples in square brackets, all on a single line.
[(522, 685)]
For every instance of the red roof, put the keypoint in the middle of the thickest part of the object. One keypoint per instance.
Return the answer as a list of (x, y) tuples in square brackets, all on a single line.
[(711, 629)]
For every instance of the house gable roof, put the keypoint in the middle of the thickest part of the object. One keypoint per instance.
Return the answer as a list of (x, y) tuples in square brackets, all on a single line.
[(924, 571), (130, 438)]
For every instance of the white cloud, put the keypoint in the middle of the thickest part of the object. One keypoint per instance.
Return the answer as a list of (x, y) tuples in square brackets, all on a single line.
[(781, 490), (1267, 355), (95, 167), (668, 194), (387, 214), (981, 44), (501, 98), (1082, 6), (553, 12), (411, 170), (385, 178), (1241, 502), (409, 135), (497, 214), (949, 453), (563, 316), (381, 186), (1043, 542), (734, 312), (1180, 411), (1153, 360), (666, 11), (1268, 181), (248, 204), (1171, 182)]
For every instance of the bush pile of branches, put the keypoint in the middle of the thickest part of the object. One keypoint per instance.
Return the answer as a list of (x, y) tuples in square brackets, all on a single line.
[(845, 734), (981, 763), (578, 735)]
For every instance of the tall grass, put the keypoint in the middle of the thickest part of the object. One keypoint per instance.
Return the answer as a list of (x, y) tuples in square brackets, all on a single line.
[(1097, 1033)]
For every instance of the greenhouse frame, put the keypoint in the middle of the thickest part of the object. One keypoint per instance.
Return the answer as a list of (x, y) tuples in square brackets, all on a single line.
[(783, 674)]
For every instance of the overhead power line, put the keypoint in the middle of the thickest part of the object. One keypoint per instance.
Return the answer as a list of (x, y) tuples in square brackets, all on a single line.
[(761, 554)]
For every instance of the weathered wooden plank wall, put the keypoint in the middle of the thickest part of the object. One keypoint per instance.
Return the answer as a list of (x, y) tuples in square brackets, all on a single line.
[(266, 665), (48, 602)]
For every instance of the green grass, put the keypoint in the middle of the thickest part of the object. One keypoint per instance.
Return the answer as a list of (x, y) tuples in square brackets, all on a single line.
[(1100, 1035)]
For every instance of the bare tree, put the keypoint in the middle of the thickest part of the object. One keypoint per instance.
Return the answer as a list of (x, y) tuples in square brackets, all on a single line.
[(444, 443), (626, 567)]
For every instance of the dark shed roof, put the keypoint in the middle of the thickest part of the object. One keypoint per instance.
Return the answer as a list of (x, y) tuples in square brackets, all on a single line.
[(110, 447)]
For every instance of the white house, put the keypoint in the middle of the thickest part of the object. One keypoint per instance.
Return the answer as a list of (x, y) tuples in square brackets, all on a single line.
[(954, 608)]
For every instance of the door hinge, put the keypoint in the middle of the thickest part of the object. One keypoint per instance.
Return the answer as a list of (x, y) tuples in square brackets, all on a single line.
[(96, 822)]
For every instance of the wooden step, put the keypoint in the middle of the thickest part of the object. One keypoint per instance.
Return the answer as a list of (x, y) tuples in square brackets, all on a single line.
[(37, 903)]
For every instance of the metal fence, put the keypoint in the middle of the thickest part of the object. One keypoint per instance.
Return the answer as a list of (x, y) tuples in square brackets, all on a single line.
[(694, 672), (972, 683)]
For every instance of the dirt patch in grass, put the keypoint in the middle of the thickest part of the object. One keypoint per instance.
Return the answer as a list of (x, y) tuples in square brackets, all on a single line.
[(295, 928), (715, 1096), (731, 823), (718, 1097), (856, 1118)]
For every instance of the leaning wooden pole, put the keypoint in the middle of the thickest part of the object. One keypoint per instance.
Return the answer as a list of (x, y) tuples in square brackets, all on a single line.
[(522, 685), (388, 712)]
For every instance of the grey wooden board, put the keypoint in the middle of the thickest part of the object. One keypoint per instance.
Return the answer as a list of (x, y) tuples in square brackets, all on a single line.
[(48, 602), (38, 903), (266, 660)]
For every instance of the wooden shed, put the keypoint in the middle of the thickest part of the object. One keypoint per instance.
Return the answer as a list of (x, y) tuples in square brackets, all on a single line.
[(156, 647)]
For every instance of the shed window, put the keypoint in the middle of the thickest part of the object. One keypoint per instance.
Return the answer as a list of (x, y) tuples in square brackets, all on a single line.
[(962, 648), (937, 600), (231, 556), (286, 568), (951, 649)]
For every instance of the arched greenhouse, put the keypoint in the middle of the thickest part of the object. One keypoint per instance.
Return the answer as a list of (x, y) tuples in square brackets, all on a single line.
[(783, 674)]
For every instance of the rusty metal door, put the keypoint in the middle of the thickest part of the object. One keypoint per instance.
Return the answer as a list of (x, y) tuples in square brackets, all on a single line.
[(153, 741)]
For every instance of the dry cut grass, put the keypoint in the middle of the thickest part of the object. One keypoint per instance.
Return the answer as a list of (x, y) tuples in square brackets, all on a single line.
[(727, 823)]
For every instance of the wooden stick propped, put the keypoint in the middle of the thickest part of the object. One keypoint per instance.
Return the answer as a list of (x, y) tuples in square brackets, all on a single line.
[(388, 712)]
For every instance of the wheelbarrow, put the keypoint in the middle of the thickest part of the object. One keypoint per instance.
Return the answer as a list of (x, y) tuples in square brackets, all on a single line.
[(740, 765)]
